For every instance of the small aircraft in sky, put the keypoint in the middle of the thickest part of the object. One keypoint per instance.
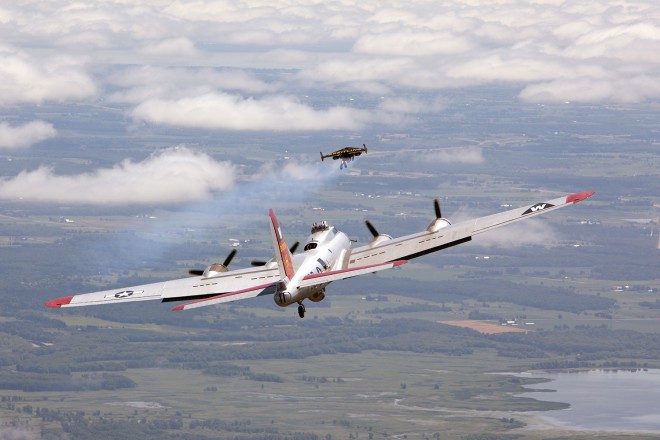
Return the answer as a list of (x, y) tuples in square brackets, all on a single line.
[(327, 256), (346, 155)]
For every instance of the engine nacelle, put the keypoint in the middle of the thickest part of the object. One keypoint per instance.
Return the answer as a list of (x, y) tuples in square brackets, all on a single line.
[(283, 299), (317, 296), (380, 238), (438, 224), (214, 269)]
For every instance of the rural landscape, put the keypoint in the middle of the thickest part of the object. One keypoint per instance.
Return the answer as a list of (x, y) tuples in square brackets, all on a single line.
[(140, 141), (407, 354)]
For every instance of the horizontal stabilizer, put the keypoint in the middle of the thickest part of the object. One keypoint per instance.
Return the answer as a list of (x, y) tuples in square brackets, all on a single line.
[(334, 275), (264, 289)]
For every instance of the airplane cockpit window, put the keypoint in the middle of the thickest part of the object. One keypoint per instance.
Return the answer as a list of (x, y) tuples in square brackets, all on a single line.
[(310, 245)]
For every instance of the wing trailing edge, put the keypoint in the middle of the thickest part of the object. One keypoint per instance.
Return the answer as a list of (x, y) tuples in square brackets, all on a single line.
[(342, 274), (264, 289)]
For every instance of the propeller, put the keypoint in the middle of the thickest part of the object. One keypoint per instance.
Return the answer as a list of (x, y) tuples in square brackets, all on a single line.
[(225, 264), (371, 228), (378, 237), (439, 221), (436, 205), (230, 257), (292, 249)]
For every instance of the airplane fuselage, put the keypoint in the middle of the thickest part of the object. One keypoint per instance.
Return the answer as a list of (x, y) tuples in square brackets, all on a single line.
[(325, 250)]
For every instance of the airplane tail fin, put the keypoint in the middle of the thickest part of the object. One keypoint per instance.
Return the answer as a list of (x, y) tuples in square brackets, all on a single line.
[(365, 148), (322, 156), (282, 253)]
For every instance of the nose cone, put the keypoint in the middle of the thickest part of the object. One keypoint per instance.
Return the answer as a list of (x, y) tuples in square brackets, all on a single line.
[(59, 302)]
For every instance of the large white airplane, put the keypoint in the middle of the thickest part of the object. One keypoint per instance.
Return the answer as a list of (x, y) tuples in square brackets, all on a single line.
[(327, 257)]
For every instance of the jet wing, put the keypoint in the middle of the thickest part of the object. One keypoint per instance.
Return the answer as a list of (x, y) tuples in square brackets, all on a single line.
[(190, 288), (422, 243)]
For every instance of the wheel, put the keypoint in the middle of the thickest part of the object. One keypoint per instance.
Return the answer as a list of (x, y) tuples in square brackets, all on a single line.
[(301, 311)]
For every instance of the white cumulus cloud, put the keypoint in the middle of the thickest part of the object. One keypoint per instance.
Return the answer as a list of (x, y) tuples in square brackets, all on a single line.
[(172, 47), (139, 84), (224, 111), (171, 176), (541, 46), (22, 136), (28, 79)]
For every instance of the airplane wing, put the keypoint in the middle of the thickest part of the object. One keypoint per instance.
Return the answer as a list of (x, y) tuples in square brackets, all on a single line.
[(190, 288), (342, 274), (265, 289), (426, 242), (269, 289)]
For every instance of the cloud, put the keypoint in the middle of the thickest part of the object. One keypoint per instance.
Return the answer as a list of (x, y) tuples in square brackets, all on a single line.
[(27, 79), (585, 90), (407, 42), (541, 46), (469, 155), (223, 111), (172, 47), (138, 84), (171, 176), (531, 232), (22, 136)]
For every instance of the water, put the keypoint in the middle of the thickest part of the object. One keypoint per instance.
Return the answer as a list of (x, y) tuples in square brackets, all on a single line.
[(603, 399)]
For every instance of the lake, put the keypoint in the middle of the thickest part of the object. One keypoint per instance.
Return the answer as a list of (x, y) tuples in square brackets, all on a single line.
[(616, 400)]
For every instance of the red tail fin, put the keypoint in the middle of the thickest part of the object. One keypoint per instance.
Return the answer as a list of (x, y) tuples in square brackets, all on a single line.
[(282, 254)]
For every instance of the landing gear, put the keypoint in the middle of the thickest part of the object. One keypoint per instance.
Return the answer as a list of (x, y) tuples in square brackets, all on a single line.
[(301, 310)]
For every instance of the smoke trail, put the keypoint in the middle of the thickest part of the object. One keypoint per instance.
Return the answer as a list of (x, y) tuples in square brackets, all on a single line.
[(274, 184)]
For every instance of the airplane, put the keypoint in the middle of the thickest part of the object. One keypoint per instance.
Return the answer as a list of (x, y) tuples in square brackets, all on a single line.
[(327, 256), (346, 155)]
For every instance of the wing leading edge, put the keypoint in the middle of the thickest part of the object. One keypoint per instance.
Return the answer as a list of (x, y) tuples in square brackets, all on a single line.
[(426, 242)]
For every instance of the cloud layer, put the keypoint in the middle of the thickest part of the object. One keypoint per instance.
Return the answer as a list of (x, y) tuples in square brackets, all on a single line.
[(554, 50), (25, 78), (21, 136), (232, 112), (295, 66), (171, 176)]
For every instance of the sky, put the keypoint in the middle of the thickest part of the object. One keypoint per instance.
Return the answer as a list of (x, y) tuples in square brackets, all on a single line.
[(190, 64)]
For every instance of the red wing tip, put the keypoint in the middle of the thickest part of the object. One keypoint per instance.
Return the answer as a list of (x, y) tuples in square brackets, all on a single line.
[(59, 302), (578, 197), (399, 263), (177, 308)]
